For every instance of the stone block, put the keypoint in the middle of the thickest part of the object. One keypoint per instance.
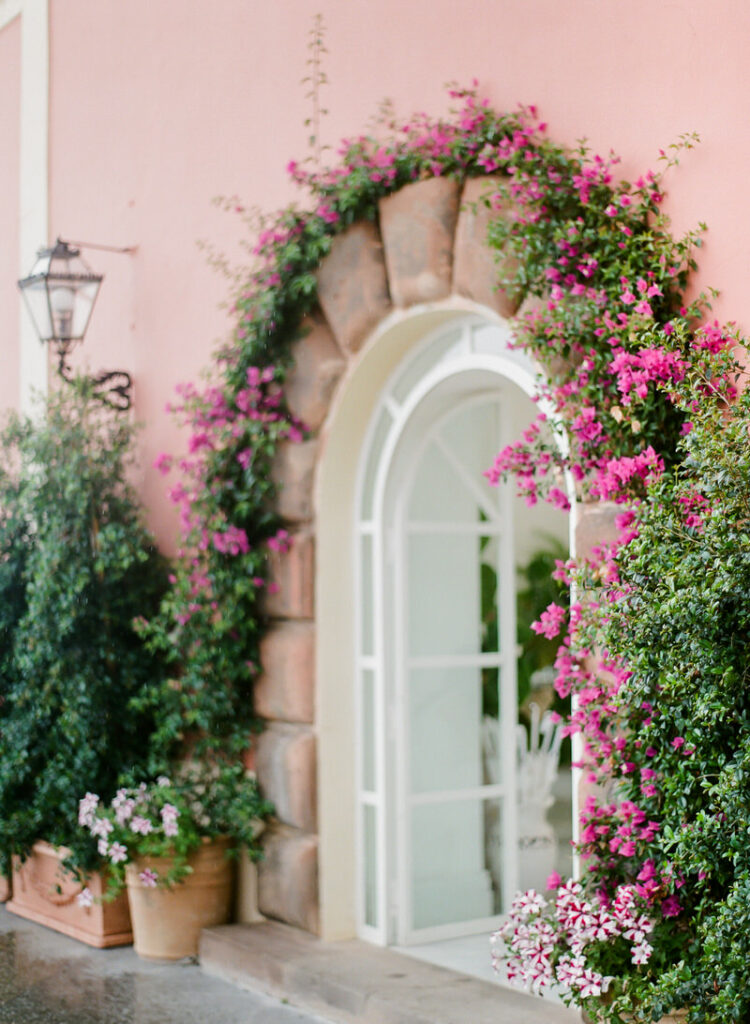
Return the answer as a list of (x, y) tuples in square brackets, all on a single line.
[(293, 573), (417, 224), (288, 878), (246, 892), (286, 688), (595, 525), (318, 364), (353, 286), (476, 267), (293, 472), (286, 766)]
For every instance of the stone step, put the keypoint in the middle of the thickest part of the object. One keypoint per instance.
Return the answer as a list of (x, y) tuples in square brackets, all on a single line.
[(352, 981)]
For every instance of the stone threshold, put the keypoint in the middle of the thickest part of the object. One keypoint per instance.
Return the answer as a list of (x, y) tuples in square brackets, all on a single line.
[(352, 981)]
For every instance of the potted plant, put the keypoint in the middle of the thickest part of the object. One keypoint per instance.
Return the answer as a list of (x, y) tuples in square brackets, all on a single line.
[(168, 841), (76, 566)]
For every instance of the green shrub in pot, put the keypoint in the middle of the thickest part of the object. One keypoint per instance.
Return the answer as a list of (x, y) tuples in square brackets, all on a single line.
[(77, 566)]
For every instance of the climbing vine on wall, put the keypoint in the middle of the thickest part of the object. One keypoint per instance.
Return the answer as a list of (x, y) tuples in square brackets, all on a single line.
[(610, 328)]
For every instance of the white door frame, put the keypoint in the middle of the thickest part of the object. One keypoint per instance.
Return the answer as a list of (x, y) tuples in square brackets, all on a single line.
[(461, 365)]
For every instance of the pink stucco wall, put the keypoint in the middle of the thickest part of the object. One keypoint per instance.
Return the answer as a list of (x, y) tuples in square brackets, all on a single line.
[(10, 86), (158, 107)]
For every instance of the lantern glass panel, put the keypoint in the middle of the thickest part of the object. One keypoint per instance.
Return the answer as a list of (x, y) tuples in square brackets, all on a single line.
[(37, 303), (84, 303)]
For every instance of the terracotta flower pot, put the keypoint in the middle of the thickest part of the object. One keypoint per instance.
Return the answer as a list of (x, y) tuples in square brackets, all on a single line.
[(167, 922), (44, 892)]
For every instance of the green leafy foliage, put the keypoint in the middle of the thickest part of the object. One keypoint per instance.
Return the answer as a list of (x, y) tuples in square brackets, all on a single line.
[(678, 618), (76, 566)]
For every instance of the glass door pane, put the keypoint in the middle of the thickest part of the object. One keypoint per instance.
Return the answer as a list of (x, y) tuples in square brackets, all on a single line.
[(456, 862), (454, 797)]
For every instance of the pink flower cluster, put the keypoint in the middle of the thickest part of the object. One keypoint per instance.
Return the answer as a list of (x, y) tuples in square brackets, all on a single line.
[(545, 943), (230, 430), (617, 477), (550, 621), (124, 807), (635, 371), (696, 508)]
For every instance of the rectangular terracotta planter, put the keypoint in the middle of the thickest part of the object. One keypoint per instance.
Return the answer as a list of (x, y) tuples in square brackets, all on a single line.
[(43, 892), (4, 888)]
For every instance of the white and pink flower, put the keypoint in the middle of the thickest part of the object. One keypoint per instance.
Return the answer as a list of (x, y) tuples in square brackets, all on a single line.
[(87, 809), (117, 853), (85, 898), (141, 826), (101, 827)]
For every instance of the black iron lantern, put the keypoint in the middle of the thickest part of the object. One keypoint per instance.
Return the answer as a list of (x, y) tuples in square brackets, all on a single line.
[(60, 292)]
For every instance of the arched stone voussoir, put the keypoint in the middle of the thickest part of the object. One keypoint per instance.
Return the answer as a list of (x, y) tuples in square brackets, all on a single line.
[(476, 267), (353, 285), (318, 362), (418, 224), (292, 578), (293, 473)]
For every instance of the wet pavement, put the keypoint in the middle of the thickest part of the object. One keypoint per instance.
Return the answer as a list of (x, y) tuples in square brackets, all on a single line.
[(47, 978)]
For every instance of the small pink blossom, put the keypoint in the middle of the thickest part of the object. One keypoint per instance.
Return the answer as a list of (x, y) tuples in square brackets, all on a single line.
[(85, 898), (87, 810), (163, 463), (550, 621), (280, 542), (148, 878), (117, 853), (101, 827), (670, 907), (124, 811)]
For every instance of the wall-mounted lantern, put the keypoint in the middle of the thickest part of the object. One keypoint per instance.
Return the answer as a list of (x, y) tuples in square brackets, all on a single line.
[(60, 292)]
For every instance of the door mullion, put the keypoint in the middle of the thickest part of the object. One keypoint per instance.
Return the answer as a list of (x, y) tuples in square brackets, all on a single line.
[(402, 913), (506, 607)]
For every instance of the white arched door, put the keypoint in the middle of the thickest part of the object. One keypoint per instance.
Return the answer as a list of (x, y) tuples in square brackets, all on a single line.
[(437, 688)]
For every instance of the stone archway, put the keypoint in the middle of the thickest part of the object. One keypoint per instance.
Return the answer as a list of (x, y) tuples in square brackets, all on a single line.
[(425, 259)]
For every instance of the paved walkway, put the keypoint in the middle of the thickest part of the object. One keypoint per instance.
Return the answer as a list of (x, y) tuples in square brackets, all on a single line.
[(354, 982), (46, 978)]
